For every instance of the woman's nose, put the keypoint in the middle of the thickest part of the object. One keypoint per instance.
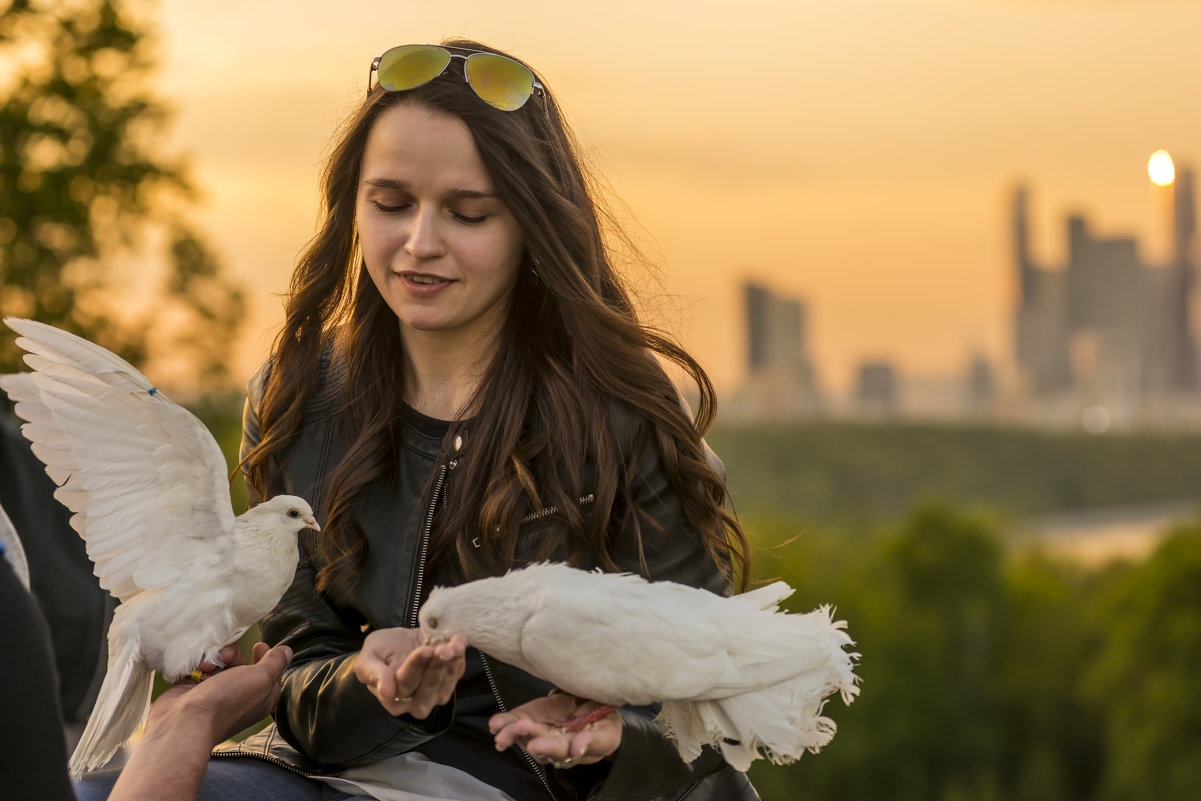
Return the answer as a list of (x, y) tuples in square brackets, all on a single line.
[(424, 240)]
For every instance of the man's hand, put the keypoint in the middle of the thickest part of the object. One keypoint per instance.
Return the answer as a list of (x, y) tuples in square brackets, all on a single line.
[(190, 718), (230, 656), (408, 676), (229, 699), (537, 726)]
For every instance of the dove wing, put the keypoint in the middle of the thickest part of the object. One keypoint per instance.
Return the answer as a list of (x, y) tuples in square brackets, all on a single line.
[(143, 477), (619, 641)]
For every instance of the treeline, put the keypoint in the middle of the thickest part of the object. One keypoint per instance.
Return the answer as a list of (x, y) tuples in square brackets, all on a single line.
[(836, 473), (991, 675)]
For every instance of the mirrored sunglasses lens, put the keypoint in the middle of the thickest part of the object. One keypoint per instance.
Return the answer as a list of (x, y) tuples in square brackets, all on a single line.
[(500, 82), (410, 66)]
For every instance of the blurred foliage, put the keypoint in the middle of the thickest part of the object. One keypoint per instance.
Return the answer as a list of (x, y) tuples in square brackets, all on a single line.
[(1146, 681), (860, 475), (988, 671), (994, 674), (84, 187), (222, 415)]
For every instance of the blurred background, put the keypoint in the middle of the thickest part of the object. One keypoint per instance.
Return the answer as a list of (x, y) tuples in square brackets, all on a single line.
[(937, 255)]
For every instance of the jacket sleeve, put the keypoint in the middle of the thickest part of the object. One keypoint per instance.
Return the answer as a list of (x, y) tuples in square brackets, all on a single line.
[(647, 764), (324, 712)]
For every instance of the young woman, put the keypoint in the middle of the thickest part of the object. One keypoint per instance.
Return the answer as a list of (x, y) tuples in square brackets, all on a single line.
[(462, 386)]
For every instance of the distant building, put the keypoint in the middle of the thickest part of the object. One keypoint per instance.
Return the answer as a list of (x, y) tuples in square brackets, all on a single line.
[(877, 391), (1106, 330), (780, 382), (980, 388), (1182, 347)]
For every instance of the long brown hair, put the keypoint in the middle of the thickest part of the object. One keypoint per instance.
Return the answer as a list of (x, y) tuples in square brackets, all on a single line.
[(572, 349)]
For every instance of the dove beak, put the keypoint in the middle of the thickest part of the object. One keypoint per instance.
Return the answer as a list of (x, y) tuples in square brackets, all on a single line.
[(311, 522)]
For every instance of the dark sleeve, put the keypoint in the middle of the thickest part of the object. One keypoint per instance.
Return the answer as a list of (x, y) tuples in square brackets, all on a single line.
[(324, 712), (33, 764), (61, 575), (647, 764)]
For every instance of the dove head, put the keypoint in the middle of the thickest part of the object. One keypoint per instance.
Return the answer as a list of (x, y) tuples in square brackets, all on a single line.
[(285, 514), (488, 612)]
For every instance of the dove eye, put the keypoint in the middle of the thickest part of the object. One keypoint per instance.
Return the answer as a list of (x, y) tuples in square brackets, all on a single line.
[(433, 621), (293, 513)]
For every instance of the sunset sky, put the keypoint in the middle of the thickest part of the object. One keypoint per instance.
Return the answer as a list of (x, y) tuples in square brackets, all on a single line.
[(857, 154)]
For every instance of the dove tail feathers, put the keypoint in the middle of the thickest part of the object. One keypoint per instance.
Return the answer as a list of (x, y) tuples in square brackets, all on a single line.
[(782, 719), (121, 707)]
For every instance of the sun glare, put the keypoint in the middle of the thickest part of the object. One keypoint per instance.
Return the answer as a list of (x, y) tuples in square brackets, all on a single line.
[(1160, 168)]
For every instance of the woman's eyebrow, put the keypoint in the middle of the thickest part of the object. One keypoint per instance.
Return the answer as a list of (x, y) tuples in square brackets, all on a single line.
[(402, 185), (472, 193), (388, 183)]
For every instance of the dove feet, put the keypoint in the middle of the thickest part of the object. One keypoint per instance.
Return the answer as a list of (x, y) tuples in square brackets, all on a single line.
[(581, 722)]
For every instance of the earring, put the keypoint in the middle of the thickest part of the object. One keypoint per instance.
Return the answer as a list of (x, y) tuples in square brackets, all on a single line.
[(534, 272)]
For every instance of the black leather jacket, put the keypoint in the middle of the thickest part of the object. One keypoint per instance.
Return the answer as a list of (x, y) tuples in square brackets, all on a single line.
[(327, 721)]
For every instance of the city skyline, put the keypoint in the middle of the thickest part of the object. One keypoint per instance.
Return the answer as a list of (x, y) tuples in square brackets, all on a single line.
[(859, 155), (1106, 339)]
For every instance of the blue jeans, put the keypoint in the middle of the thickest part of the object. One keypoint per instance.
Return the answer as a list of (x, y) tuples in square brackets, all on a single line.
[(228, 780)]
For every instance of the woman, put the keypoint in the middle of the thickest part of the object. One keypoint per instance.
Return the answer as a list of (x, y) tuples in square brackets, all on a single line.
[(462, 386)]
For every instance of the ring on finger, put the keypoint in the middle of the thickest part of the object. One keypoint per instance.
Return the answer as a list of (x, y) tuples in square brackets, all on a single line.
[(400, 700)]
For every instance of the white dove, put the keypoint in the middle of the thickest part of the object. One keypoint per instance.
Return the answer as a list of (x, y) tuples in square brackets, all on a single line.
[(734, 672), (147, 485)]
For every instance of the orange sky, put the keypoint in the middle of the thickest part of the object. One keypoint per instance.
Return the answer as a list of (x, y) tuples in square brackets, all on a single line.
[(857, 154)]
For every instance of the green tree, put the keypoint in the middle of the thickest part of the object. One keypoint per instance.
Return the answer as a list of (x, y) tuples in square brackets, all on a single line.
[(1051, 732), (1146, 682), (926, 606), (84, 187)]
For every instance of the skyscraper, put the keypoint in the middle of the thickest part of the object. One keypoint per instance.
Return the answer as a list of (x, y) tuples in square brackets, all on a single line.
[(1040, 325), (1182, 348), (780, 378), (1107, 330)]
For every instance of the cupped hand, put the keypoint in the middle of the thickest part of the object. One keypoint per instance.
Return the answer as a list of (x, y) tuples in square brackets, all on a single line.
[(537, 726), (407, 675), (229, 700)]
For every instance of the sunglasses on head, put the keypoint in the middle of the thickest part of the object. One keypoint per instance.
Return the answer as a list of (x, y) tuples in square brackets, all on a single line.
[(499, 81)]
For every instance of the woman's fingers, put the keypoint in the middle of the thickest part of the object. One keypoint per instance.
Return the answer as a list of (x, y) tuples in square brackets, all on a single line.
[(376, 664), (427, 679), (448, 664), (408, 676), (537, 726), (409, 681)]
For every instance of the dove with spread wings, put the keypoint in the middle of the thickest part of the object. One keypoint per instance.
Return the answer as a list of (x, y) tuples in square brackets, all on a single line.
[(147, 486), (736, 673)]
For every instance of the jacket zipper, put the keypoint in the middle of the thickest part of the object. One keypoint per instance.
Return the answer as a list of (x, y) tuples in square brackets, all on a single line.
[(547, 511), (263, 756), (419, 579), (539, 771), (500, 702)]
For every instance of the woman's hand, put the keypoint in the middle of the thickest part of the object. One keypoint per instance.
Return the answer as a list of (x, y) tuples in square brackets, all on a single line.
[(408, 676), (537, 726)]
